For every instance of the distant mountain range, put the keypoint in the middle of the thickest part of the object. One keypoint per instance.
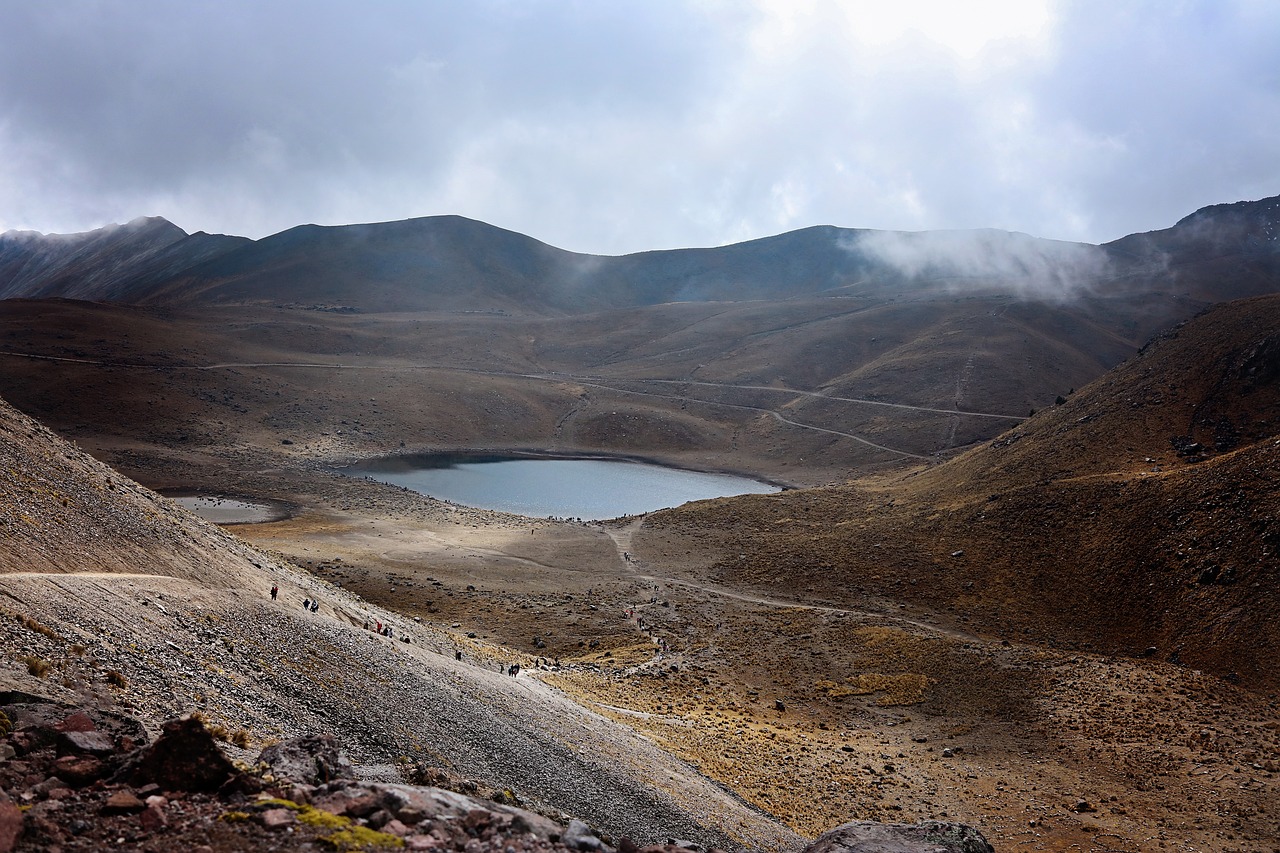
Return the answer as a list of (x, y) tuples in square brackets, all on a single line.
[(451, 263)]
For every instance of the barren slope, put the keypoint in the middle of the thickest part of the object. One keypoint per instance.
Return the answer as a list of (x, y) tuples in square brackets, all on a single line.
[(132, 601), (1141, 513)]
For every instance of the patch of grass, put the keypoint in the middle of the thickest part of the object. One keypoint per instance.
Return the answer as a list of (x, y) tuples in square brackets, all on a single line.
[(310, 815), (39, 667), (904, 688), (361, 838), (32, 625), (6, 725), (116, 679)]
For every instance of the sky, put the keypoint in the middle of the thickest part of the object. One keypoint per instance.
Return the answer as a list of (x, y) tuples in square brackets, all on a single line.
[(614, 126)]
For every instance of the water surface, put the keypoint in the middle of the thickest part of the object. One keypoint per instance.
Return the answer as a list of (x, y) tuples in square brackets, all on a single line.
[(588, 489)]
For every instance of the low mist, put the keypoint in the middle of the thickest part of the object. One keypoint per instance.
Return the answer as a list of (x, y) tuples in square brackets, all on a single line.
[(967, 261)]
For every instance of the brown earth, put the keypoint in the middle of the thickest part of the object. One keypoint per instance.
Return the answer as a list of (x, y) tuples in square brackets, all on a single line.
[(999, 606)]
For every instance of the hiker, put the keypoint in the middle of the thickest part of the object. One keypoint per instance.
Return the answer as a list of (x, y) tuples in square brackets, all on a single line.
[(379, 626), (457, 655), (275, 590), (306, 604), (315, 605)]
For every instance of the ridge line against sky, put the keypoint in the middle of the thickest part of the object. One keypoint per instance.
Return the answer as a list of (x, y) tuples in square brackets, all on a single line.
[(609, 128)]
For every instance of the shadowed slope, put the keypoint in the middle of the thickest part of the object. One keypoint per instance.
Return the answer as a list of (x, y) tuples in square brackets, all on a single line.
[(1141, 513)]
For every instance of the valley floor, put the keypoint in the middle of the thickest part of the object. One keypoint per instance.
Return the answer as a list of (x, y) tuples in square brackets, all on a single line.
[(817, 711)]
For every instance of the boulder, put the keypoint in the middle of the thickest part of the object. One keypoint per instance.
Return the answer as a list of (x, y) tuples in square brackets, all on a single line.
[(85, 742), (184, 758), (313, 760), (79, 770), (927, 837)]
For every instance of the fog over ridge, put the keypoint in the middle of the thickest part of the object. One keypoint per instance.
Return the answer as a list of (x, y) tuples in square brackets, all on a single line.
[(1027, 266)]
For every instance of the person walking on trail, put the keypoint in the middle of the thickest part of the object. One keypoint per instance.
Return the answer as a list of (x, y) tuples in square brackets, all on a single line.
[(275, 590)]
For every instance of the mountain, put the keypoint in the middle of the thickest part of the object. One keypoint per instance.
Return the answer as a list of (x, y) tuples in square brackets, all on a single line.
[(107, 264), (453, 263)]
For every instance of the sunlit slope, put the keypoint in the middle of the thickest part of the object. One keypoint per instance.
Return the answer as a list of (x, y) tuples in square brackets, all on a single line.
[(61, 511)]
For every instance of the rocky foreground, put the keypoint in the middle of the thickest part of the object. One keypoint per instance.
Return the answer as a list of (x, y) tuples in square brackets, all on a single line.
[(85, 780)]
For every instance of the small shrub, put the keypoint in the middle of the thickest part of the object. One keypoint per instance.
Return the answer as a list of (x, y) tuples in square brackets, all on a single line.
[(240, 738), (6, 725), (39, 667), (116, 679), (32, 625), (78, 649)]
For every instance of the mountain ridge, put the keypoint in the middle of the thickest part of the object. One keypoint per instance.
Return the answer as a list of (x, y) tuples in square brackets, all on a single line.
[(450, 262)]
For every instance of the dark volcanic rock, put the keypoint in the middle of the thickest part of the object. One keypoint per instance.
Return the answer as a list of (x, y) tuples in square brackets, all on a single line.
[(184, 758), (928, 837), (80, 741)]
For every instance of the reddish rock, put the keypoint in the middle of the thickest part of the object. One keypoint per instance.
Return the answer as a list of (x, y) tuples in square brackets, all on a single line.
[(79, 770), (153, 818), (277, 818), (396, 828), (122, 802), (351, 802), (10, 824), (77, 722)]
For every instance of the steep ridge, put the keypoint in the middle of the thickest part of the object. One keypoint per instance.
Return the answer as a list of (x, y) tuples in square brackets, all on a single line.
[(1137, 518), (105, 264), (453, 263), (125, 600)]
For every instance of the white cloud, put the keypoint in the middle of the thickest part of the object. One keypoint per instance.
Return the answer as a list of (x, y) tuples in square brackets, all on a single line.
[(634, 125)]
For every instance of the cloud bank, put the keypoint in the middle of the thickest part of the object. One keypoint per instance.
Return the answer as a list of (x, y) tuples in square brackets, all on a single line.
[(630, 125)]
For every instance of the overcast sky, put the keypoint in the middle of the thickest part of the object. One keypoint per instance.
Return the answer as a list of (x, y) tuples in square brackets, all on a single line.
[(611, 126)]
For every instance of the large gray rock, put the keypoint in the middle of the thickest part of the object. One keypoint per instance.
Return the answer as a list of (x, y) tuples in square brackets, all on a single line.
[(863, 836), (313, 759)]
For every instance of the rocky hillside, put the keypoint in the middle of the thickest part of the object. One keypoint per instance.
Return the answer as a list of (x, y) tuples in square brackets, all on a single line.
[(1136, 518)]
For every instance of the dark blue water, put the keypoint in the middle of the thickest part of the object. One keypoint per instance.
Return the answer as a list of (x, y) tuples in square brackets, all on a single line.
[(566, 488)]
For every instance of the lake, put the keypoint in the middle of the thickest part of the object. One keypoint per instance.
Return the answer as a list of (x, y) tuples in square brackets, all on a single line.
[(589, 489)]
